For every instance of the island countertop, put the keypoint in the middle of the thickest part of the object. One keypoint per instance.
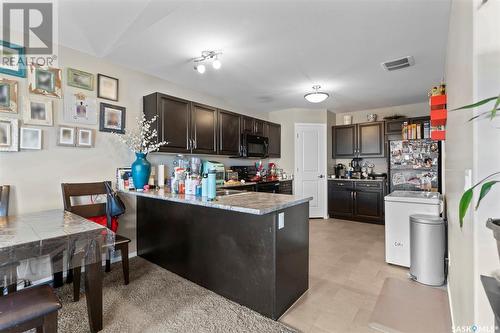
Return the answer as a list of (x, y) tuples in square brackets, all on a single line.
[(257, 203)]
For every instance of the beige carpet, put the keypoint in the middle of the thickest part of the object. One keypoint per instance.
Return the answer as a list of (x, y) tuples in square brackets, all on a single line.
[(157, 300), (409, 307)]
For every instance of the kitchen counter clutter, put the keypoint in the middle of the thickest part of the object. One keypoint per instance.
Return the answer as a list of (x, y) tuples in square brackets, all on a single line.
[(256, 203)]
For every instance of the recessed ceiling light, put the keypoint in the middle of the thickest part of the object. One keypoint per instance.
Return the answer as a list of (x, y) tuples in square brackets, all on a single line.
[(316, 96)]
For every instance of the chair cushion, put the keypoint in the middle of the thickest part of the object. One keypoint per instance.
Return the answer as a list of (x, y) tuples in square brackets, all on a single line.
[(27, 304)]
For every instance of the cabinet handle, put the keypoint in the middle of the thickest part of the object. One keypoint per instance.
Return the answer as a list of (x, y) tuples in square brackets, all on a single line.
[(340, 184)]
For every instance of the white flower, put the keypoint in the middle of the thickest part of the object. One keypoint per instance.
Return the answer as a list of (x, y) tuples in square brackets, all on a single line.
[(143, 139)]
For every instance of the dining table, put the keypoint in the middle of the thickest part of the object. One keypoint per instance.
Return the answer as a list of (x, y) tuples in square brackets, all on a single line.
[(58, 234)]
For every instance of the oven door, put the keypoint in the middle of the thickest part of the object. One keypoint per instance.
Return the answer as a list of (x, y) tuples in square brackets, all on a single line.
[(255, 146)]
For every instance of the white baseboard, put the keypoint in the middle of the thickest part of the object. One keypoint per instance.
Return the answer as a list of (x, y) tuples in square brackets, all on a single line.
[(450, 304)]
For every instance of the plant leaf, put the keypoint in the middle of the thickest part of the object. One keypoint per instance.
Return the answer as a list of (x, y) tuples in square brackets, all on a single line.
[(471, 106), (495, 108), (482, 114), (464, 204), (484, 190)]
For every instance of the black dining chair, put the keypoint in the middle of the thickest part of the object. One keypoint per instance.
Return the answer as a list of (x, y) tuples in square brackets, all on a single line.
[(92, 210), (8, 271)]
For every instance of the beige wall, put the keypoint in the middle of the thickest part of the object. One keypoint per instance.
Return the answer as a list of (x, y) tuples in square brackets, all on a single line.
[(36, 176), (458, 159), (486, 139), (288, 118), (408, 110)]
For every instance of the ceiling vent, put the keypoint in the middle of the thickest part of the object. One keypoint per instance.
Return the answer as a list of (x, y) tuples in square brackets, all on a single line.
[(398, 63)]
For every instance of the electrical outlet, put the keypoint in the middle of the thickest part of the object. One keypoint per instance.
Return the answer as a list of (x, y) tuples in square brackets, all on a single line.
[(281, 220), (467, 179)]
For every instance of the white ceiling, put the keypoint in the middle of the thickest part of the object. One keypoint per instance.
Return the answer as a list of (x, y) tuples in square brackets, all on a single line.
[(274, 51)]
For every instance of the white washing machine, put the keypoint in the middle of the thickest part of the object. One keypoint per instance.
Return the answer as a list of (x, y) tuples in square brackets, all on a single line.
[(399, 205)]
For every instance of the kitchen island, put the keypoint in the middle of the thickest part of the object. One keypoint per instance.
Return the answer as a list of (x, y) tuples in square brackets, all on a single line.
[(250, 247)]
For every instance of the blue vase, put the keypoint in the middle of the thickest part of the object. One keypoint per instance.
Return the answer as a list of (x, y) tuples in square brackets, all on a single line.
[(141, 169)]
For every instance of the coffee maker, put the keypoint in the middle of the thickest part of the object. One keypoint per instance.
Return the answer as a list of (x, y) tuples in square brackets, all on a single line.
[(356, 167), (340, 171)]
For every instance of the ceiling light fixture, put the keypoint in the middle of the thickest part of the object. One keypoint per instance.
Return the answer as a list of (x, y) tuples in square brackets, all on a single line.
[(316, 96), (207, 56)]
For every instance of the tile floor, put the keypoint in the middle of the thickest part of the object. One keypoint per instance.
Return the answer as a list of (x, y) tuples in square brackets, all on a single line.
[(346, 274)]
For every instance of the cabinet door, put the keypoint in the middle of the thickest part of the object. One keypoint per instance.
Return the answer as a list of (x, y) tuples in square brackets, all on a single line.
[(229, 133), (273, 132), (395, 126), (368, 204), (204, 129), (173, 123), (247, 125), (344, 141), (371, 140), (340, 202), (258, 127)]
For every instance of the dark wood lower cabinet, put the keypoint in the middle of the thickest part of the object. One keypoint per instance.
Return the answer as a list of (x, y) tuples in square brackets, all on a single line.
[(356, 200)]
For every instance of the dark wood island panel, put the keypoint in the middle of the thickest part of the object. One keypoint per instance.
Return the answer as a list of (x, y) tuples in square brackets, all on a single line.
[(244, 257)]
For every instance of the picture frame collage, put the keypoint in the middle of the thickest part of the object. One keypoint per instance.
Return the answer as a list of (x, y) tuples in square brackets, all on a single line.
[(21, 127)]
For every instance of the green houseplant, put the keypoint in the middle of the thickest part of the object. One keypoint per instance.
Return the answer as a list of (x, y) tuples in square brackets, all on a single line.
[(488, 182)]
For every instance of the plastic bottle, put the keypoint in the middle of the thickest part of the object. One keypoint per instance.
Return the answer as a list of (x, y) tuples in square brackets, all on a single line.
[(211, 185), (204, 186)]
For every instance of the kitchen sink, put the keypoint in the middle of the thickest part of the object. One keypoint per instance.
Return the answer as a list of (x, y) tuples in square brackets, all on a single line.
[(226, 192)]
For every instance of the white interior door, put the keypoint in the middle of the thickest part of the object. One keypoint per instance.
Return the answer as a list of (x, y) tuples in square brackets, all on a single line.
[(310, 166)]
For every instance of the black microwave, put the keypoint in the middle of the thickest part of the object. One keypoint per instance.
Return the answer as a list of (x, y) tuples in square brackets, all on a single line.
[(254, 146)]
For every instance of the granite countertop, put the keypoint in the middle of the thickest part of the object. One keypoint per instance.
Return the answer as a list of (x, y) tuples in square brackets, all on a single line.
[(258, 203)]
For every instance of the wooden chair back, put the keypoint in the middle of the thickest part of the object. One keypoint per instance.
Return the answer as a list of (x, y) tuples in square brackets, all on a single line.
[(84, 189), (4, 200)]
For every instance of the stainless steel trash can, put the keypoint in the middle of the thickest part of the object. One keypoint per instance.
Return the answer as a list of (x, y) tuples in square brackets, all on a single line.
[(427, 249)]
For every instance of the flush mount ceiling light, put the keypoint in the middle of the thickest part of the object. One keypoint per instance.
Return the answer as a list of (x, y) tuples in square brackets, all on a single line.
[(316, 96), (206, 57)]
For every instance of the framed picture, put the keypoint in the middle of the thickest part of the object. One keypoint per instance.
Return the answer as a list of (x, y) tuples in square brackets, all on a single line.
[(39, 111), (112, 118), (31, 138), (80, 108), (107, 87), (13, 61), (85, 137), (9, 134), (66, 136), (80, 79), (8, 96), (45, 81)]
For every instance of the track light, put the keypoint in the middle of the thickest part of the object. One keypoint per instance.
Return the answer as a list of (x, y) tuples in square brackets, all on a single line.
[(207, 56), (200, 68), (216, 64)]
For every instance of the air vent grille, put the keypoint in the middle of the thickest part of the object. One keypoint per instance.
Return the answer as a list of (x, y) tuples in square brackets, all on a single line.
[(398, 63)]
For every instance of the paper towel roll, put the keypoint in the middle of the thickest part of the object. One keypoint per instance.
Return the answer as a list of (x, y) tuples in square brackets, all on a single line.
[(161, 175)]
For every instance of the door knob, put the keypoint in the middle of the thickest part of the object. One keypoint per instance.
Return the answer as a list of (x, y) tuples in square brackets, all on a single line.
[(321, 176)]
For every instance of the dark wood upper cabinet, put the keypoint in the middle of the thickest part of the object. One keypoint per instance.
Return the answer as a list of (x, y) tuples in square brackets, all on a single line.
[(394, 126), (247, 125), (258, 127), (344, 141), (229, 133), (190, 127), (173, 119), (273, 133), (371, 139), (203, 129), (363, 140)]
